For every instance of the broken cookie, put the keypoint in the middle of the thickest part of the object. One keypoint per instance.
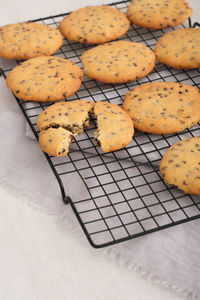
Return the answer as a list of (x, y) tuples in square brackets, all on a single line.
[(71, 115), (115, 127), (55, 141)]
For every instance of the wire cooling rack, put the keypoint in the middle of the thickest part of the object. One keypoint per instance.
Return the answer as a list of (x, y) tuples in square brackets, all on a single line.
[(121, 194)]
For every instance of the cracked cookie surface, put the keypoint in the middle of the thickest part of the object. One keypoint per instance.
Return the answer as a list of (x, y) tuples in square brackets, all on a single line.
[(55, 141), (94, 25), (157, 14), (27, 40), (71, 115), (45, 78), (180, 166), (179, 48), (115, 127), (60, 122), (163, 107), (118, 62)]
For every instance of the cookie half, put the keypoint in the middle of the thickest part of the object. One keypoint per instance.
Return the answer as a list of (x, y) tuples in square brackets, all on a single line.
[(45, 78), (180, 165), (158, 14), (60, 122), (55, 141), (163, 107), (179, 48), (118, 62), (94, 25), (115, 127), (70, 115), (27, 40)]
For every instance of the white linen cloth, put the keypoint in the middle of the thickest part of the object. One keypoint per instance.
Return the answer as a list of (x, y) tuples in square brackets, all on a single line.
[(169, 257)]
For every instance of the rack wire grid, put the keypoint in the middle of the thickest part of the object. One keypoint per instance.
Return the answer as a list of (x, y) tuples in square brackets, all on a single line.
[(123, 195)]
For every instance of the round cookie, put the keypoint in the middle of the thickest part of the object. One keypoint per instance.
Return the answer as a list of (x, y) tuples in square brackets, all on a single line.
[(157, 14), (118, 62), (55, 141), (180, 165), (71, 115), (179, 48), (115, 127), (94, 25), (163, 107), (45, 78), (27, 40)]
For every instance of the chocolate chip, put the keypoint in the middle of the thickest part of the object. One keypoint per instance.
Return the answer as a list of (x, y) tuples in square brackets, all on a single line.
[(62, 151), (164, 168), (56, 74), (22, 81)]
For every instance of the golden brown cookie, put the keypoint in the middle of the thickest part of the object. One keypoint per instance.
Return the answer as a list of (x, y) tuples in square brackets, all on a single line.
[(118, 62), (45, 78), (163, 107), (60, 123), (180, 165), (157, 14), (71, 115), (179, 48), (94, 25), (115, 127), (55, 141), (27, 40)]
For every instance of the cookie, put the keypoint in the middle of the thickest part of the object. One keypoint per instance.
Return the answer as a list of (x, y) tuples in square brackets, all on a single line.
[(45, 78), (94, 25), (179, 48), (70, 115), (118, 62), (115, 127), (55, 141), (27, 40), (180, 165), (163, 107), (157, 14), (60, 123)]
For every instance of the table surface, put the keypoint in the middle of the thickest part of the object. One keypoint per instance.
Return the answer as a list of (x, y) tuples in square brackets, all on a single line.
[(58, 263)]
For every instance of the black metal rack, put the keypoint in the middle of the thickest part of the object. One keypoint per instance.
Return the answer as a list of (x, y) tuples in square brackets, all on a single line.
[(123, 194)]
